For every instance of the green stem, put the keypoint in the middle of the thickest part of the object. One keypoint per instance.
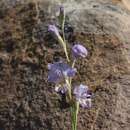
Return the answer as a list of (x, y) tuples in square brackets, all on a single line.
[(62, 41), (63, 25), (73, 64), (69, 88), (76, 115), (72, 117), (64, 47)]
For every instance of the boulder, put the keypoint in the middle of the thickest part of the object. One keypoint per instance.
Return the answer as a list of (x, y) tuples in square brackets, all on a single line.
[(27, 100)]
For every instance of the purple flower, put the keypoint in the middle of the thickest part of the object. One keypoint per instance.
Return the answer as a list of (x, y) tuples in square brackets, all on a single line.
[(53, 29), (85, 103), (79, 51), (60, 70), (83, 95), (70, 72), (61, 89), (61, 10)]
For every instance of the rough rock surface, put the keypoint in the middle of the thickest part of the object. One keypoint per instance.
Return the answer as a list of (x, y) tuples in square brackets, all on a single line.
[(27, 100)]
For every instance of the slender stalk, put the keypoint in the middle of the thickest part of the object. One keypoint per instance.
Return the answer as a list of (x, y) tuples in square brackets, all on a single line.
[(74, 109), (73, 64), (69, 88), (76, 115), (64, 47), (63, 40), (72, 117), (63, 26)]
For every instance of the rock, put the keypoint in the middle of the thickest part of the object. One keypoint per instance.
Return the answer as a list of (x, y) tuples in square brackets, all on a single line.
[(27, 100)]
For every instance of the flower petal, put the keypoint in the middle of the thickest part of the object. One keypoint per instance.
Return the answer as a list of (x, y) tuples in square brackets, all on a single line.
[(79, 51), (70, 72), (54, 29), (85, 103), (61, 89), (60, 70), (83, 95)]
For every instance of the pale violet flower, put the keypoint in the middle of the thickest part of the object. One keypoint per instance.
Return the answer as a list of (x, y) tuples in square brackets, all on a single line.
[(53, 29), (83, 95), (62, 89), (60, 70), (62, 10), (79, 51)]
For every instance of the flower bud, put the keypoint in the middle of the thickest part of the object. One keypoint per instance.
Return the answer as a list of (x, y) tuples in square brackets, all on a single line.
[(79, 51)]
